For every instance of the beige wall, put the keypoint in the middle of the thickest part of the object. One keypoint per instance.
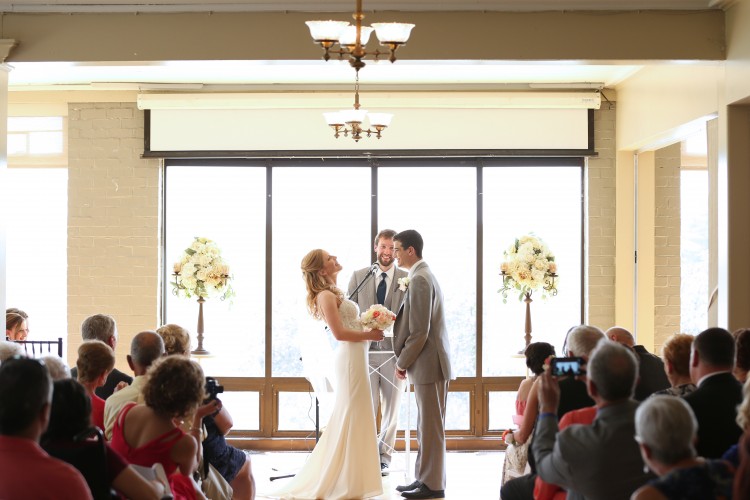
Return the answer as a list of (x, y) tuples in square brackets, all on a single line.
[(666, 244), (113, 223), (600, 222)]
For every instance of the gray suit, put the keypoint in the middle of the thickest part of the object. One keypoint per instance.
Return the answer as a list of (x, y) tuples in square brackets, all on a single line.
[(421, 343), (597, 461), (385, 387)]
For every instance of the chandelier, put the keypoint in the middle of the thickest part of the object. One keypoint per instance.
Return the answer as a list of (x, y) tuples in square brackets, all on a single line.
[(351, 40)]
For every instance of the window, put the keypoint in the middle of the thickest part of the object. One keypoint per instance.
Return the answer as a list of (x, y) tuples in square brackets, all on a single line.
[(694, 263), (37, 236), (271, 213)]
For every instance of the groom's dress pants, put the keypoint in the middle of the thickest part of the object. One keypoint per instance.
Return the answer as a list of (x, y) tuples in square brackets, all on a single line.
[(386, 390), (430, 464)]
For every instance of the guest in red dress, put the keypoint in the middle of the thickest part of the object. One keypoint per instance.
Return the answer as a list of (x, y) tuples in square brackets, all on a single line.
[(149, 433), (95, 360)]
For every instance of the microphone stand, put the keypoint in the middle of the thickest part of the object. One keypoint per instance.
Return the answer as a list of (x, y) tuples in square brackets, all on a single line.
[(373, 269)]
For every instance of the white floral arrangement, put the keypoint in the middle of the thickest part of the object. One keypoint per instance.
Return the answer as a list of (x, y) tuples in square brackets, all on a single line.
[(201, 272), (403, 283), (529, 265), (377, 317)]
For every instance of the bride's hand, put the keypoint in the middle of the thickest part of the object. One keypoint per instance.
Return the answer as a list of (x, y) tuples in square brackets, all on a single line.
[(376, 335)]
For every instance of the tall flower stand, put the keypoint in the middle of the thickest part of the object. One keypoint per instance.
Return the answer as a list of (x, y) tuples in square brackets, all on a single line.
[(527, 328), (200, 351)]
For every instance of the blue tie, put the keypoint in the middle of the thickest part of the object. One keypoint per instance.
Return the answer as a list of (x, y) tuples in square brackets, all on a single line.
[(381, 289)]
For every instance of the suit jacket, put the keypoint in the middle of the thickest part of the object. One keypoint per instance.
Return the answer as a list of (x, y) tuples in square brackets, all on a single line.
[(366, 297), (420, 338), (651, 374), (714, 403), (114, 378), (597, 461)]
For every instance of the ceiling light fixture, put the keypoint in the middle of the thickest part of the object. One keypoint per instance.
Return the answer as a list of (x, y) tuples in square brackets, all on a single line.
[(352, 40)]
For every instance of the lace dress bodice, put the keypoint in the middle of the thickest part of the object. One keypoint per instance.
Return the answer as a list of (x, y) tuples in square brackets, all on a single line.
[(349, 312)]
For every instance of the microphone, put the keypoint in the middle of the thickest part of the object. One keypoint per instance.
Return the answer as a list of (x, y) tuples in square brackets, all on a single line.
[(375, 267)]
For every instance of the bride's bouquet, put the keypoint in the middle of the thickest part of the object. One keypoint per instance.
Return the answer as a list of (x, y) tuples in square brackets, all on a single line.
[(377, 317)]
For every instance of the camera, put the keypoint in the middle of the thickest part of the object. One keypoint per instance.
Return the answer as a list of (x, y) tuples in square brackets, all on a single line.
[(213, 388), (567, 367)]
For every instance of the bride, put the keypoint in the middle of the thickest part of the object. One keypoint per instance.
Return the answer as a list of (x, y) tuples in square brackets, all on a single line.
[(345, 463)]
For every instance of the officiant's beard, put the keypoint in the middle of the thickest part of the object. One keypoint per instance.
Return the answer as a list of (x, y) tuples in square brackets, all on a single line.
[(385, 260)]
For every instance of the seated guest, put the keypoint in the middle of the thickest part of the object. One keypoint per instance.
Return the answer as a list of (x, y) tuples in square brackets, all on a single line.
[(69, 418), (56, 367), (231, 463), (740, 454), (148, 433), (579, 342), (103, 327), (651, 374), (95, 360), (676, 354), (145, 348), (715, 401), (742, 354), (27, 471), (10, 349), (601, 460), (15, 327), (665, 431), (536, 354)]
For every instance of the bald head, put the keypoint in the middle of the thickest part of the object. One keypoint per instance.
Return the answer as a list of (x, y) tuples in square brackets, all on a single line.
[(145, 348), (621, 336)]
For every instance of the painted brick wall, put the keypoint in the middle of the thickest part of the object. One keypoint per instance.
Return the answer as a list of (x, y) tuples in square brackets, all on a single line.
[(666, 244), (113, 222), (600, 222)]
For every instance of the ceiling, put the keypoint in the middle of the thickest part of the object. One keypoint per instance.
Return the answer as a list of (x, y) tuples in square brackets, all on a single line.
[(312, 75)]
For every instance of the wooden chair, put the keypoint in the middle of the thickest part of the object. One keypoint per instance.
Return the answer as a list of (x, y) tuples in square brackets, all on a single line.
[(39, 348)]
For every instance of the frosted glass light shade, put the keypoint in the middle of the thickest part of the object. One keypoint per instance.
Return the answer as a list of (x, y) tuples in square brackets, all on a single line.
[(334, 118), (392, 32), (353, 115), (326, 30), (348, 35), (380, 119)]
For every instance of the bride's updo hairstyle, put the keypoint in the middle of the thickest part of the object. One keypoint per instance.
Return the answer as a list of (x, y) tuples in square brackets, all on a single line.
[(311, 265)]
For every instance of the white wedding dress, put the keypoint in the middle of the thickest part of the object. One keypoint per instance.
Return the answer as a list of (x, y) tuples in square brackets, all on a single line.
[(345, 463)]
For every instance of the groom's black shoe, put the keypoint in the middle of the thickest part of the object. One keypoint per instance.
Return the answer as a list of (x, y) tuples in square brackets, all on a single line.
[(422, 491), (414, 485)]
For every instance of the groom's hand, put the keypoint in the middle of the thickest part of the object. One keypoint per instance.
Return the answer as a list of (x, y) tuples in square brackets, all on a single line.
[(400, 374)]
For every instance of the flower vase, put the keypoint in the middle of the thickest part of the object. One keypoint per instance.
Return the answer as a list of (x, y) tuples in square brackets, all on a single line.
[(200, 351)]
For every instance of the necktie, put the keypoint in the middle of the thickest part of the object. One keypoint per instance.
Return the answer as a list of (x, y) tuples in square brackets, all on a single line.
[(381, 289)]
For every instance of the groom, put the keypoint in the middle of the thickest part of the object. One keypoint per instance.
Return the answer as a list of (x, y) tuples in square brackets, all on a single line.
[(386, 388), (421, 346)]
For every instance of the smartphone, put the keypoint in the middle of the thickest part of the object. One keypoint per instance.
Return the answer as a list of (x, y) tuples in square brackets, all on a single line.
[(567, 367)]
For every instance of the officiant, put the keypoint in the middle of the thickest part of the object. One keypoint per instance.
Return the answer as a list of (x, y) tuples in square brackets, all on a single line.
[(383, 287)]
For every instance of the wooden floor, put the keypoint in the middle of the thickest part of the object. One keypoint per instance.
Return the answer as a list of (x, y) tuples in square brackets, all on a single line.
[(471, 475)]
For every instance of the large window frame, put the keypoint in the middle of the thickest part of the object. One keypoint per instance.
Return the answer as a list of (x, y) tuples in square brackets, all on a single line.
[(268, 436)]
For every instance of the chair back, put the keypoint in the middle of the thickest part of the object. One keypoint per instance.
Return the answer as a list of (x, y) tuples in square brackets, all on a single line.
[(89, 457), (39, 348)]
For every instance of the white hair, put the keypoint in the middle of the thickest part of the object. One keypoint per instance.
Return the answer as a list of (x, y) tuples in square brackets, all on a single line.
[(583, 339), (10, 349), (667, 425), (56, 367)]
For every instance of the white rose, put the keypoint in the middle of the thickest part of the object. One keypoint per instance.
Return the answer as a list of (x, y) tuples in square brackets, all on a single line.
[(188, 270), (189, 283), (202, 274), (204, 260)]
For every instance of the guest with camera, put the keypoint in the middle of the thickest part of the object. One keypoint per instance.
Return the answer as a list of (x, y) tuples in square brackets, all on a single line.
[(231, 463), (601, 460)]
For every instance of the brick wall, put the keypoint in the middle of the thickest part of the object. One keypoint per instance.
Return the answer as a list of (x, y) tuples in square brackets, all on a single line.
[(666, 244), (113, 223), (600, 222)]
